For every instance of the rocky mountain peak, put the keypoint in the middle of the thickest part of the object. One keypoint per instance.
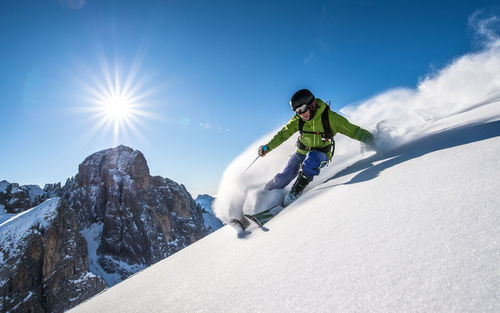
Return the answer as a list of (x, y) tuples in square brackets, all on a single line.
[(109, 221), (128, 216), (116, 164)]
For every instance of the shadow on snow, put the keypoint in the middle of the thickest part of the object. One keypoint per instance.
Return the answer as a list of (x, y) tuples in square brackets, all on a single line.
[(417, 148)]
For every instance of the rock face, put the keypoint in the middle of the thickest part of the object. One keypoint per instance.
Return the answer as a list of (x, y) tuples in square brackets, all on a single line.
[(43, 266), (143, 219), (112, 220), (15, 198)]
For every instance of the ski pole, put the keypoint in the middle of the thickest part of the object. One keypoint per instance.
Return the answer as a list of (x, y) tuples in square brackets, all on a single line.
[(250, 164), (264, 149)]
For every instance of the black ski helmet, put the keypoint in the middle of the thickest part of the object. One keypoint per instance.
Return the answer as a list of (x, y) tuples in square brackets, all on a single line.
[(300, 98)]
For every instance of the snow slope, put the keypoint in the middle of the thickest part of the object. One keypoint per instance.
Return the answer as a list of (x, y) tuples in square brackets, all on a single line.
[(412, 228)]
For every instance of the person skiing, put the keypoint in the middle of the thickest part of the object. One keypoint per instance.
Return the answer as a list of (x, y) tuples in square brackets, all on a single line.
[(317, 125)]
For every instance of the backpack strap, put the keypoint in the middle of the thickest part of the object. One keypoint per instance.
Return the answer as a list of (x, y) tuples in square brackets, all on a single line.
[(326, 122), (328, 135)]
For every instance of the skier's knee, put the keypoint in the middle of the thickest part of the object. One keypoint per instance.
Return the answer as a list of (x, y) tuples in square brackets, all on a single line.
[(314, 162)]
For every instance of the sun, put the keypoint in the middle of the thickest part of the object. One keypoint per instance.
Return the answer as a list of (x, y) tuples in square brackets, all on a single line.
[(117, 110), (117, 107), (116, 103)]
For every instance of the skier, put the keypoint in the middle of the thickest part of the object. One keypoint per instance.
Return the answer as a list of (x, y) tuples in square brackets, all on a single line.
[(317, 125)]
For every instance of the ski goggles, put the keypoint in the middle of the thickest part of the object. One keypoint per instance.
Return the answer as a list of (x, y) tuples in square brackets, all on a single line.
[(302, 109), (305, 107)]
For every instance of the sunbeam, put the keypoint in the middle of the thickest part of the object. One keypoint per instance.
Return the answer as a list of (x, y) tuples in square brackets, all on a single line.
[(115, 103)]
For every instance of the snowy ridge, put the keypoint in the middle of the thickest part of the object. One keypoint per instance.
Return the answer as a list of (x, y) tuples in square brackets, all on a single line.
[(34, 191), (15, 198), (19, 226)]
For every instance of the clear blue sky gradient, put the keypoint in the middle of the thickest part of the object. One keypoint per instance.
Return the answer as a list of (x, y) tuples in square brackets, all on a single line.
[(215, 75)]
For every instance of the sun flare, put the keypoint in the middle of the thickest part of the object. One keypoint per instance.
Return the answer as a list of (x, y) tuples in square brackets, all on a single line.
[(117, 103)]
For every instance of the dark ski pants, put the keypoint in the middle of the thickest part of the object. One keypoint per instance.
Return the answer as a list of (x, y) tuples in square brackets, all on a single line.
[(311, 165)]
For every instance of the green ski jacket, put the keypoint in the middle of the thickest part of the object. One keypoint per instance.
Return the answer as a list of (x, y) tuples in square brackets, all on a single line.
[(338, 124)]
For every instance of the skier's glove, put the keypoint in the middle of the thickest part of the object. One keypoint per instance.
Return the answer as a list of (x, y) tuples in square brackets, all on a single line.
[(368, 142), (364, 136), (263, 150)]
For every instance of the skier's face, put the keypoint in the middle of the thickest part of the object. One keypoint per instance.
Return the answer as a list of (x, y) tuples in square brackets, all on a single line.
[(306, 116)]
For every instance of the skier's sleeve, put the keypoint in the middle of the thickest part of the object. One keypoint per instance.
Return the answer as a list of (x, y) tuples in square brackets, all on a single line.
[(286, 132), (341, 125)]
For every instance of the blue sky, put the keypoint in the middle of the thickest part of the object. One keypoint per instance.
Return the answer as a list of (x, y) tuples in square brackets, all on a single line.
[(206, 78)]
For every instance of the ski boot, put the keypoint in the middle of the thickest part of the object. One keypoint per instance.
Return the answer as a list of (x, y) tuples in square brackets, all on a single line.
[(297, 188)]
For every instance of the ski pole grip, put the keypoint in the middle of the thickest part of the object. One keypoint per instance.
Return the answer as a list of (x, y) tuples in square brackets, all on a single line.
[(262, 150)]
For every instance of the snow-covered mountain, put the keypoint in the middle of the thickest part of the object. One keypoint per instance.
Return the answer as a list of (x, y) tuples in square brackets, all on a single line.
[(410, 228), (110, 221), (43, 261), (212, 223), (15, 198)]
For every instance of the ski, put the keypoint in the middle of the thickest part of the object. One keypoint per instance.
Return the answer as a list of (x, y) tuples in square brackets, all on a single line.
[(243, 226), (263, 217), (256, 221)]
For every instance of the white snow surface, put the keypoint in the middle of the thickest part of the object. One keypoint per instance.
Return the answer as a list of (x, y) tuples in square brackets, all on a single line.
[(412, 228)]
